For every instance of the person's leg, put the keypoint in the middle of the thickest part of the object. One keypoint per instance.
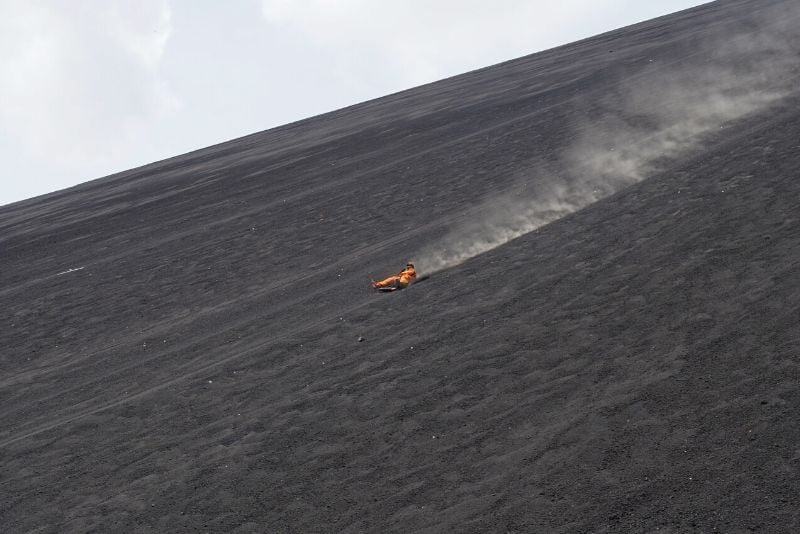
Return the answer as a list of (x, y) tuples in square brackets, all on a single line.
[(392, 280)]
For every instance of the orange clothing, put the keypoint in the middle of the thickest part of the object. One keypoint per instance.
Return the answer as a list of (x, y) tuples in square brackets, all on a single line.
[(400, 280)]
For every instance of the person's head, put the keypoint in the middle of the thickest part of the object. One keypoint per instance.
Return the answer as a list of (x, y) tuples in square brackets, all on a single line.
[(411, 265)]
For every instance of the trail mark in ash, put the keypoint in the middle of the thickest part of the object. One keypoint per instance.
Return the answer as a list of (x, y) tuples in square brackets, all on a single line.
[(69, 271)]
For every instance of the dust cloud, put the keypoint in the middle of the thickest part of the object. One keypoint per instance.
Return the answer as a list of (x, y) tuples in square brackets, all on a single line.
[(653, 116)]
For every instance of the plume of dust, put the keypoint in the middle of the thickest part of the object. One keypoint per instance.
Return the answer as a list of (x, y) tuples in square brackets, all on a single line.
[(655, 118)]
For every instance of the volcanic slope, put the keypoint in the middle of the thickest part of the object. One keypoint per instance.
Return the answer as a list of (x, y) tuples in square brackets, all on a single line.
[(192, 345)]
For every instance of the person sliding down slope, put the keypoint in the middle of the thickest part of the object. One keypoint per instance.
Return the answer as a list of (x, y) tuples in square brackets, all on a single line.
[(398, 281)]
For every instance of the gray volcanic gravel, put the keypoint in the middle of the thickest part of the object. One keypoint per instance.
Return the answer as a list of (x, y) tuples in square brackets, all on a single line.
[(606, 339)]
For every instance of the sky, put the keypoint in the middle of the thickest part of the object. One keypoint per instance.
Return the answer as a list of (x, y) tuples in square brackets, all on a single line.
[(93, 87)]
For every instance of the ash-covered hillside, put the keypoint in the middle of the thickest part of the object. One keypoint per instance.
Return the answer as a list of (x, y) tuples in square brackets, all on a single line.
[(606, 340)]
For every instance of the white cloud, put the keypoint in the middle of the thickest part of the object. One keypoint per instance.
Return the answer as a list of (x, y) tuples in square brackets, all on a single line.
[(88, 87), (81, 79), (404, 44)]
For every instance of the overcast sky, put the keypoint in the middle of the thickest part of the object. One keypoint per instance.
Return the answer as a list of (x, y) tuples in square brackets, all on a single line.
[(93, 87)]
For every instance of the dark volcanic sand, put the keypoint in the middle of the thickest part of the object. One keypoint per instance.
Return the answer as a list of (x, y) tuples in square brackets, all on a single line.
[(632, 367)]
